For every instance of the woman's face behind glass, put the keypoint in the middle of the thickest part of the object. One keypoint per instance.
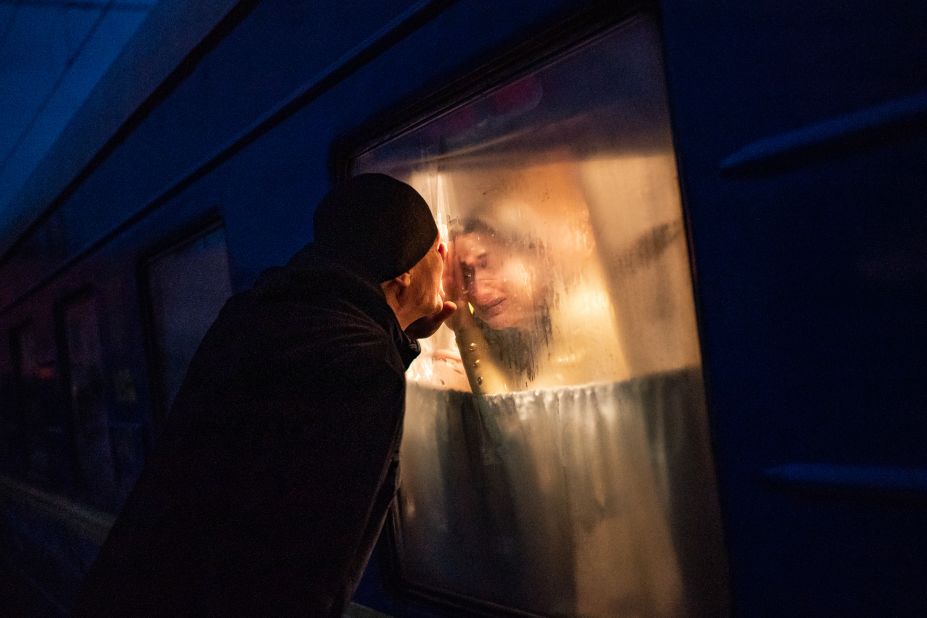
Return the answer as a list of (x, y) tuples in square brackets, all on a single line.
[(500, 282)]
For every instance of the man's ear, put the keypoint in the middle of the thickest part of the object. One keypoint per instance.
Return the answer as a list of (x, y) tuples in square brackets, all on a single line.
[(404, 280)]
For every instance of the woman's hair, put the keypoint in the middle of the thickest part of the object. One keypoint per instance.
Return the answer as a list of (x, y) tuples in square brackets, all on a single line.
[(519, 350), (477, 223)]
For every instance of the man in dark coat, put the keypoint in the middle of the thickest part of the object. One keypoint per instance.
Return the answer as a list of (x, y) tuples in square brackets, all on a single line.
[(274, 473)]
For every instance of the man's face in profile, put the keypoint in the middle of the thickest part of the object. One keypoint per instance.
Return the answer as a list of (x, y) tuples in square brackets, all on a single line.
[(426, 286), (499, 281)]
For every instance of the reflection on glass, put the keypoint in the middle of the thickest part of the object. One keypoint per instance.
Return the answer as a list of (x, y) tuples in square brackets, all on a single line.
[(555, 454), (188, 285)]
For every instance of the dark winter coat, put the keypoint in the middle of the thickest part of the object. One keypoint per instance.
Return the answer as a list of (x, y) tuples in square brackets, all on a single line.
[(275, 471)]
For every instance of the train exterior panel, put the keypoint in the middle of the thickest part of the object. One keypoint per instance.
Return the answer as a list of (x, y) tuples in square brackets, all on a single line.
[(793, 141)]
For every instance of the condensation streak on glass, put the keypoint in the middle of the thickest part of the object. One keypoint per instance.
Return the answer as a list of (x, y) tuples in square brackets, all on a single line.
[(188, 285), (556, 456)]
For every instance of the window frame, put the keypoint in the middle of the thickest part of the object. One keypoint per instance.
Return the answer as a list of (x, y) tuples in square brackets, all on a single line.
[(533, 51), (510, 62)]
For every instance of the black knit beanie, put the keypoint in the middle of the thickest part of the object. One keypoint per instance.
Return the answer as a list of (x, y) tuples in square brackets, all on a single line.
[(375, 224)]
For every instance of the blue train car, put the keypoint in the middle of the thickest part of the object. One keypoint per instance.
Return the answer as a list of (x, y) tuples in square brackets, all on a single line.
[(692, 234)]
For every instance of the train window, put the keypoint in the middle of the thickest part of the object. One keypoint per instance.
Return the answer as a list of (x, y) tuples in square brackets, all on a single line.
[(36, 436), (187, 285), (18, 418), (86, 380), (555, 453)]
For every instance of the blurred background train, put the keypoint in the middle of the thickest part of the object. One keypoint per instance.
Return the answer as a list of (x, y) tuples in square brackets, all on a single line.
[(727, 200)]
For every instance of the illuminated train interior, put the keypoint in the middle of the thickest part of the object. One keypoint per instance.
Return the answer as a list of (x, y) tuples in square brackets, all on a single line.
[(687, 377)]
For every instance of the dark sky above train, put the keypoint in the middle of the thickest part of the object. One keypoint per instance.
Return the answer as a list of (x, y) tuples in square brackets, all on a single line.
[(52, 54)]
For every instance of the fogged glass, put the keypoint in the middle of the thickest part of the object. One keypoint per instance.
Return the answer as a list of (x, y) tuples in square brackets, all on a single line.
[(556, 457), (188, 286)]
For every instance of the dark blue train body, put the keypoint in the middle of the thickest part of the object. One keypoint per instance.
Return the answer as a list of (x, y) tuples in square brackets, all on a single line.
[(799, 132)]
